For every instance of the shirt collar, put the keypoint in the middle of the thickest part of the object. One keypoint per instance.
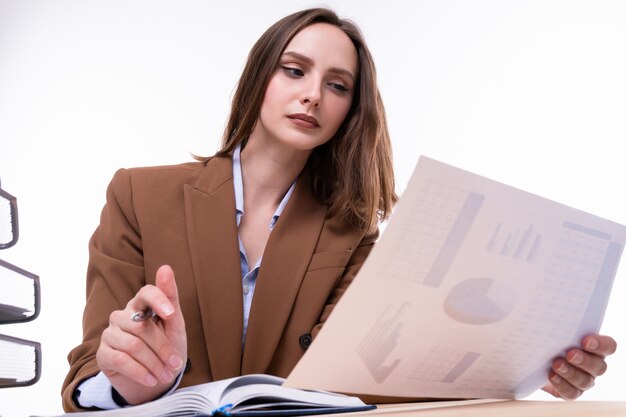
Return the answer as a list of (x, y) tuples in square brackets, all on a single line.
[(238, 183)]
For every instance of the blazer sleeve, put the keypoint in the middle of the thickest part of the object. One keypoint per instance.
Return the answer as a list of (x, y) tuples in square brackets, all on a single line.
[(352, 267), (114, 275)]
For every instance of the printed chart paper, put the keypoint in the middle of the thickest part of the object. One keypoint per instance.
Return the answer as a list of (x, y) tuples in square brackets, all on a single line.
[(471, 291)]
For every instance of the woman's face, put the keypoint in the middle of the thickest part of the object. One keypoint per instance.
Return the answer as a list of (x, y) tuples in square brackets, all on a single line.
[(311, 90)]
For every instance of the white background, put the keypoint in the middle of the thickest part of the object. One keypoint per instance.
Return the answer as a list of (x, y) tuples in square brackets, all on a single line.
[(530, 93)]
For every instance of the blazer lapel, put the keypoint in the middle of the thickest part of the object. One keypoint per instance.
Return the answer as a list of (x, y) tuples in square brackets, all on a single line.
[(285, 260), (212, 233)]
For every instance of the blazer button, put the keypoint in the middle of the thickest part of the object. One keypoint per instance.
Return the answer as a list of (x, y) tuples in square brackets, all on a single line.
[(305, 341)]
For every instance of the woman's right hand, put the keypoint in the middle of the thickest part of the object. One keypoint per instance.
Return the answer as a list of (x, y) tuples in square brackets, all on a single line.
[(142, 359)]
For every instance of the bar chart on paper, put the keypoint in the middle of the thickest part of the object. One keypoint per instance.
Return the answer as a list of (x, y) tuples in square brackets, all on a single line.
[(381, 341)]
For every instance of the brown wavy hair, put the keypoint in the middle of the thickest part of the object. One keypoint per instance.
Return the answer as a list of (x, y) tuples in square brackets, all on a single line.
[(352, 173)]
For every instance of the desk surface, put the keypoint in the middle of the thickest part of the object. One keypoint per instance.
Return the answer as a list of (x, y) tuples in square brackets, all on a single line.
[(503, 408)]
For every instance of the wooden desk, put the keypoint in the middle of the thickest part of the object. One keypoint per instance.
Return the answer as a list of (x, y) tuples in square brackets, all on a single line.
[(502, 408)]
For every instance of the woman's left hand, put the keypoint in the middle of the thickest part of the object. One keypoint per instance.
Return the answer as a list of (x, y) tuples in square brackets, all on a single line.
[(576, 372)]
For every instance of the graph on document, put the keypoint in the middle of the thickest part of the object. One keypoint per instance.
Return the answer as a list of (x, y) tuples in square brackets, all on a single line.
[(441, 218), (377, 347), (522, 244)]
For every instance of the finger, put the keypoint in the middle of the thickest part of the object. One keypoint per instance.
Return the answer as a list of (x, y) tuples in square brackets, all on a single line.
[(592, 364), (174, 327), (150, 297), (145, 341), (112, 362), (572, 375), (561, 388), (599, 344), (166, 282), (549, 388), (148, 346)]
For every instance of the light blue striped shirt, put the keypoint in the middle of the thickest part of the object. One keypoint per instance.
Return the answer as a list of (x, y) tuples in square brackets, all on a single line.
[(249, 275)]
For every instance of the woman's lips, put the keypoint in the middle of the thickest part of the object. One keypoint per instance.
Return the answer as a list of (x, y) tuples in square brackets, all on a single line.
[(304, 120)]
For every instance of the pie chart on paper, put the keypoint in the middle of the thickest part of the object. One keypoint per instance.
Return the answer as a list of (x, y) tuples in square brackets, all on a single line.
[(479, 301)]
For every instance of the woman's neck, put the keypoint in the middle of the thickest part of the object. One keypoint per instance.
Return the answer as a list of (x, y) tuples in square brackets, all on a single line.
[(268, 171)]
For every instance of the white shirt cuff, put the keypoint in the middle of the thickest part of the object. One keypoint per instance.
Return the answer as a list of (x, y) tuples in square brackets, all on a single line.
[(97, 391)]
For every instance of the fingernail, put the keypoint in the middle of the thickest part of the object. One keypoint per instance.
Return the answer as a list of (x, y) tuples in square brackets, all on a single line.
[(167, 309), (175, 362), (150, 380), (556, 379), (592, 344), (577, 358), (166, 375), (563, 368)]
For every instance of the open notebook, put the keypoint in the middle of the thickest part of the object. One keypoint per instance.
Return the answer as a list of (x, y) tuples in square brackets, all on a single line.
[(249, 395)]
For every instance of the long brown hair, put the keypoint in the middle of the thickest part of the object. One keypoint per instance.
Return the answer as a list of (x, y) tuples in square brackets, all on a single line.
[(352, 173)]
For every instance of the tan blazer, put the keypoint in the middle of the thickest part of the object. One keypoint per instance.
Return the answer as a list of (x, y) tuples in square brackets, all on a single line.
[(184, 216)]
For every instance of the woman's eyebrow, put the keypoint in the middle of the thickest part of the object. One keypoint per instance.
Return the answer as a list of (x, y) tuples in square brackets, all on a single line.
[(309, 61)]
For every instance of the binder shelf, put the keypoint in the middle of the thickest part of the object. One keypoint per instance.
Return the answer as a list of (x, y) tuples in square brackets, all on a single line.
[(20, 359)]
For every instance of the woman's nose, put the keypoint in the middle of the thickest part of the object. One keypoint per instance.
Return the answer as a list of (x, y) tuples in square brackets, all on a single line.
[(312, 92)]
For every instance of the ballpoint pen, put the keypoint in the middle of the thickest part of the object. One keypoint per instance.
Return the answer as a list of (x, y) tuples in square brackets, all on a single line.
[(143, 315)]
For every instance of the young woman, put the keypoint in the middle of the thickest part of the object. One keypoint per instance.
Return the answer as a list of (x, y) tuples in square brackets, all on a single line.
[(243, 255)]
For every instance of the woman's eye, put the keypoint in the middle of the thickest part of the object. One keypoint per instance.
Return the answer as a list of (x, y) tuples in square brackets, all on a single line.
[(339, 87), (292, 71)]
